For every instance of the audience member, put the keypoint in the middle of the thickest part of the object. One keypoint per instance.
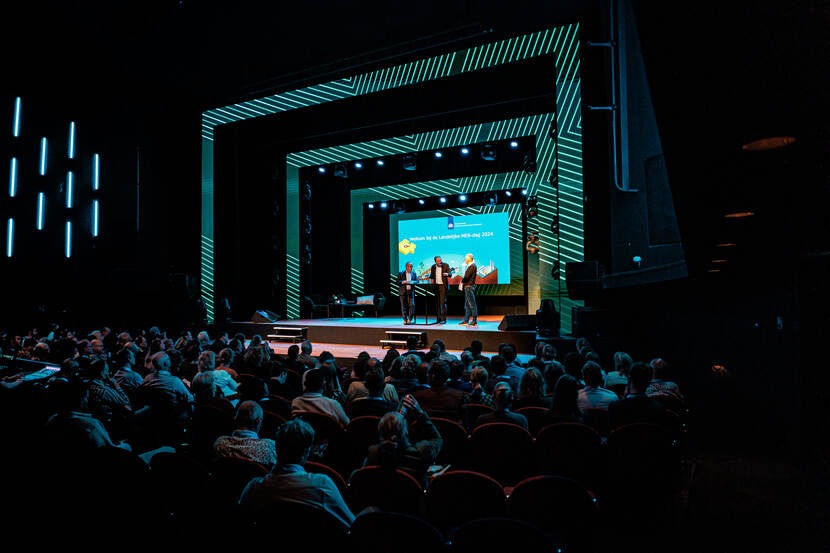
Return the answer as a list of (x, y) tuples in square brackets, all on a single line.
[(636, 406), (593, 395), (357, 389), (126, 378), (502, 401), (224, 381), (565, 407), (225, 360), (160, 388), (290, 483), (105, 400), (498, 366), (476, 347), (532, 390), (660, 384), (305, 355), (245, 442), (408, 379), (478, 396), (395, 449), (457, 381), (313, 400), (438, 398), (374, 404), (622, 367)]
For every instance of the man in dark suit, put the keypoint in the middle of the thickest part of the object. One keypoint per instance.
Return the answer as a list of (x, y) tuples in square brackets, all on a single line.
[(468, 285), (407, 293), (439, 274)]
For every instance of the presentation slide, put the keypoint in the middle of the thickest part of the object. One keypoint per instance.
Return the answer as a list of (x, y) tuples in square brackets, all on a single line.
[(486, 236)]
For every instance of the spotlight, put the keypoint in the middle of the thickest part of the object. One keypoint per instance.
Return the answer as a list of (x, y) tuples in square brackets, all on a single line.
[(321, 169), (410, 162), (380, 163), (383, 205), (462, 198), (491, 199), (514, 144), (465, 151), (421, 202), (637, 260), (488, 152), (438, 155), (442, 199), (358, 165), (340, 171), (371, 206), (508, 193), (524, 191)]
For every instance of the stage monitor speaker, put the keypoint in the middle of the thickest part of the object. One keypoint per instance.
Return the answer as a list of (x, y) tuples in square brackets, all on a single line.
[(264, 316), (582, 279), (518, 322)]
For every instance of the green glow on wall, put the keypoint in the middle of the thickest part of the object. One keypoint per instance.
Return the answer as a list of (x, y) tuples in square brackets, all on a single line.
[(562, 42)]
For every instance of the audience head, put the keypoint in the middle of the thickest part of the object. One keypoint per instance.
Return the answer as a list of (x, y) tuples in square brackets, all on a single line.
[(479, 376), (125, 358), (225, 357), (592, 356), (592, 374), (509, 353), (498, 366), (305, 347), (253, 388), (249, 416), (207, 361), (203, 338), (422, 372), (549, 353), (440, 344), (659, 369), (98, 369), (374, 381), (160, 361), (294, 440), (97, 346), (409, 366), (393, 431), (565, 395), (622, 363), (411, 343), (573, 364), (204, 386), (466, 358), (532, 384), (176, 360), (476, 347), (502, 396), (314, 381), (439, 372), (639, 378), (391, 355), (293, 352), (456, 370)]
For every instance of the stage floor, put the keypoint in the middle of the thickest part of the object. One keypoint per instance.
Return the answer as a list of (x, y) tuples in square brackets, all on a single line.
[(486, 323)]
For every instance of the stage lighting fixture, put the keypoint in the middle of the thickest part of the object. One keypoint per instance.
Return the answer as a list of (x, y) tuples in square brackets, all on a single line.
[(488, 152), (71, 150), (514, 144), (69, 195), (13, 178), (371, 206), (491, 199), (67, 251), (94, 218), (321, 169), (43, 148), (528, 164), (465, 151), (442, 199), (508, 193), (383, 205), (96, 171), (10, 237), (410, 162), (637, 260), (462, 198), (380, 163), (524, 192), (399, 207), (340, 171), (421, 202), (358, 165), (41, 207), (438, 155), (16, 125)]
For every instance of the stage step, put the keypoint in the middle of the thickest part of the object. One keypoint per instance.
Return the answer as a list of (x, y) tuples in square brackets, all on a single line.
[(399, 337), (289, 333)]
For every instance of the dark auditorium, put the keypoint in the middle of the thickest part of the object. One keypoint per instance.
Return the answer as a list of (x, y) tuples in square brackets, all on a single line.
[(441, 276)]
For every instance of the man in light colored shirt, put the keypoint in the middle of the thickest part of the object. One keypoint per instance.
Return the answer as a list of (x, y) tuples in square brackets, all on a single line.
[(245, 442), (313, 400), (290, 483), (160, 387), (224, 381), (439, 275), (593, 395)]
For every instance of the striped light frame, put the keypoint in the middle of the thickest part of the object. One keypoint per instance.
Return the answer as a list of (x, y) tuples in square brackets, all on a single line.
[(562, 42)]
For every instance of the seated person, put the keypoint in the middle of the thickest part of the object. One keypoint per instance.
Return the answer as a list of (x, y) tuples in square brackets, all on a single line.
[(245, 442), (532, 391), (160, 387), (622, 366), (457, 381), (553, 371), (374, 404), (593, 395), (105, 399), (565, 407), (660, 384), (225, 360), (224, 381), (498, 368), (290, 483), (438, 399), (636, 406), (331, 388), (205, 392), (408, 380), (358, 388), (478, 395), (395, 450), (313, 400), (126, 378), (412, 346), (73, 429), (502, 400)]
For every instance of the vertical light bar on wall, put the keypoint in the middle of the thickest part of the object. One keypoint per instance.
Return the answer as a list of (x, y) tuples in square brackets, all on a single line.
[(16, 125), (67, 250), (13, 178), (94, 218), (71, 152), (43, 146), (10, 237), (41, 209), (69, 179), (96, 171)]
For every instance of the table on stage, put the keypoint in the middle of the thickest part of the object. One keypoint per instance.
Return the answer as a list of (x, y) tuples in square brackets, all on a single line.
[(429, 297)]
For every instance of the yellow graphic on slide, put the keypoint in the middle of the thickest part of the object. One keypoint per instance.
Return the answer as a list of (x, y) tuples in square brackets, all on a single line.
[(406, 247)]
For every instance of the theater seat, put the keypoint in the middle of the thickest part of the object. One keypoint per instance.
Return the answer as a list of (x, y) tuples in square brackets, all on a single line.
[(500, 534), (501, 450), (570, 449), (385, 488), (456, 497), (383, 532)]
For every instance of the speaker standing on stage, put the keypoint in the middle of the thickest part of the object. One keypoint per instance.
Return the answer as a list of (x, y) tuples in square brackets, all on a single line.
[(439, 274), (468, 283), (407, 293)]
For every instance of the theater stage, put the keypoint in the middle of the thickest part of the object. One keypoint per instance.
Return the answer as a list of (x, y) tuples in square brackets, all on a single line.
[(366, 332)]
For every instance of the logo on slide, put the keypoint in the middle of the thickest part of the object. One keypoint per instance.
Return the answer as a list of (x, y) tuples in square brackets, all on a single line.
[(406, 247)]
